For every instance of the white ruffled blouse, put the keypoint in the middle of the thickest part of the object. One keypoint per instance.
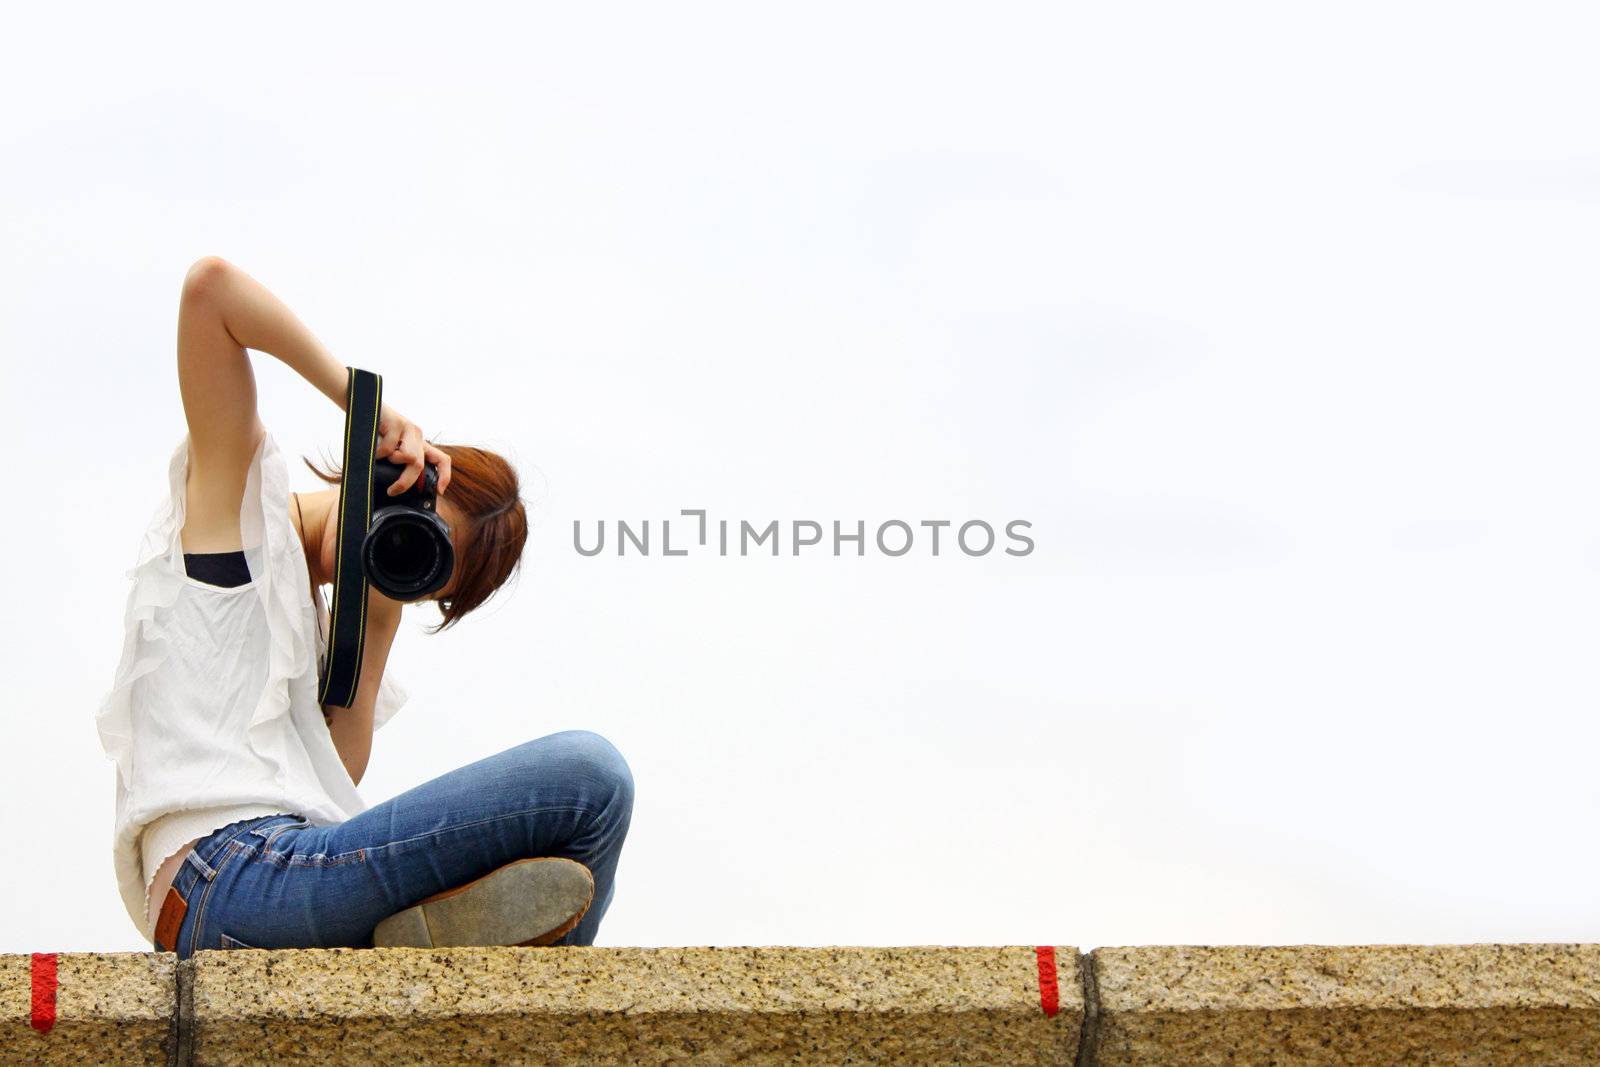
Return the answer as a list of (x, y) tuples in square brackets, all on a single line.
[(214, 702)]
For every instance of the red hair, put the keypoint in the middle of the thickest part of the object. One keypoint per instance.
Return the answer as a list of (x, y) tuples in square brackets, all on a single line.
[(484, 489)]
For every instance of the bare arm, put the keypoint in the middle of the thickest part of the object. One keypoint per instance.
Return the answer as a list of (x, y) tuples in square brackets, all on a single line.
[(225, 311), (351, 727)]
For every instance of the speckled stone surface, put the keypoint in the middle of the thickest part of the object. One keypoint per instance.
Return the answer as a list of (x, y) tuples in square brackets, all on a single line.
[(631, 1005), (110, 1008), (1382, 1004)]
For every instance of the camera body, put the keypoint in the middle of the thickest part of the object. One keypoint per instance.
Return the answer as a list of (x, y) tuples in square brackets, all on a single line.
[(406, 553)]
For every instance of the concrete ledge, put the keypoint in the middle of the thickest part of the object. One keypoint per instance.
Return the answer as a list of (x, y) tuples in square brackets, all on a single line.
[(620, 1005), (102, 1008), (1459, 1004)]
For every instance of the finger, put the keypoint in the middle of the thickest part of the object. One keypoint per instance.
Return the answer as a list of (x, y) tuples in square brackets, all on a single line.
[(413, 471), (441, 460), (411, 456), (402, 454)]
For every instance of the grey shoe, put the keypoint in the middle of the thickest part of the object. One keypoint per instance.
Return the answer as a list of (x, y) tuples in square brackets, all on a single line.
[(529, 902)]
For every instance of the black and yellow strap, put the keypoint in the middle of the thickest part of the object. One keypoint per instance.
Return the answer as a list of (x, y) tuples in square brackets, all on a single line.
[(347, 630)]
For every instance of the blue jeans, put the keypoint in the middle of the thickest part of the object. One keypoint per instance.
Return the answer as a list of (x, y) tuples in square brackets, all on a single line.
[(279, 882)]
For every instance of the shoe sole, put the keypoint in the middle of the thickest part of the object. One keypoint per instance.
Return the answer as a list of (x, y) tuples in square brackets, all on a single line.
[(528, 902)]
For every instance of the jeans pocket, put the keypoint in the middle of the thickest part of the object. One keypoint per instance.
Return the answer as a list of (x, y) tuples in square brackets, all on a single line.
[(287, 850), (272, 832), (231, 942)]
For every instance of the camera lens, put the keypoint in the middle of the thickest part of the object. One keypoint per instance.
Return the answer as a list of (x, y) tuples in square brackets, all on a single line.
[(407, 553)]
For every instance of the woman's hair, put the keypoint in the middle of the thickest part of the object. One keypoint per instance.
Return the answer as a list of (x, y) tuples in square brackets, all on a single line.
[(484, 489)]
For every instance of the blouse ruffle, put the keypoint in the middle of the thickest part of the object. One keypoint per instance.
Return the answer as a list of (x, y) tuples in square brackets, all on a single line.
[(282, 581)]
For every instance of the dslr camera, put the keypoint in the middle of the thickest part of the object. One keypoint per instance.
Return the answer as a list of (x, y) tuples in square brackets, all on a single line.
[(406, 553)]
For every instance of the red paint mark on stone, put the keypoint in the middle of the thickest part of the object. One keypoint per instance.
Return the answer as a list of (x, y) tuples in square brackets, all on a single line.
[(44, 991), (1049, 990)]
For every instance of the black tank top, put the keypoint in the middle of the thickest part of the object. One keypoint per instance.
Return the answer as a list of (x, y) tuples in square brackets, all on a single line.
[(227, 569)]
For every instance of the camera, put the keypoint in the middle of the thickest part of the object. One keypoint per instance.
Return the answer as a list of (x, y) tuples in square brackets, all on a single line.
[(406, 553)]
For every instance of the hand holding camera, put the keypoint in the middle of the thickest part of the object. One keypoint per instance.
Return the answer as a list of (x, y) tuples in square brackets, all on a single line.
[(406, 553), (400, 441)]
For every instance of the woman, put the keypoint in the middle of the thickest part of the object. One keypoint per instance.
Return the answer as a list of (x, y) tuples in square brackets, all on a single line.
[(237, 819)]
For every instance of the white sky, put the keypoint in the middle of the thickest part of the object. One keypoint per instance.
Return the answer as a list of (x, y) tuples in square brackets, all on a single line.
[(1277, 324)]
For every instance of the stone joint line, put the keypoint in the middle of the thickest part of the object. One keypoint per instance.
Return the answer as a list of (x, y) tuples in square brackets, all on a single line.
[(1089, 1030)]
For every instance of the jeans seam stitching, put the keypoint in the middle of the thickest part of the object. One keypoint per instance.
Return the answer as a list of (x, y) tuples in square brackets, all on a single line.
[(359, 855), (479, 822), (229, 850), (321, 859), (277, 831)]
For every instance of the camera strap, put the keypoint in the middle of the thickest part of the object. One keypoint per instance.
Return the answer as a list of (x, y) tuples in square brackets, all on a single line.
[(347, 629)]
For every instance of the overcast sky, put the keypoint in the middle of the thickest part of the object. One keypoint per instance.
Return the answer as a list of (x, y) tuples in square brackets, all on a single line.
[(1277, 325)]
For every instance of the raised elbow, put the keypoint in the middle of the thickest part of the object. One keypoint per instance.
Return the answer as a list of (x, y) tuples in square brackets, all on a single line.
[(206, 276)]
